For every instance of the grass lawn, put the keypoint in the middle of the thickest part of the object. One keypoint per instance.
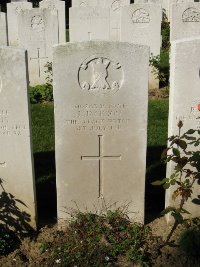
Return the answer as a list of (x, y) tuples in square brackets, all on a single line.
[(44, 154)]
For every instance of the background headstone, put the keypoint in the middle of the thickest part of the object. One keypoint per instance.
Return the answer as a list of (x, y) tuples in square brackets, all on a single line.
[(13, 10), (115, 7), (185, 21), (175, 2), (38, 32), (16, 161), (100, 94), (3, 28), (184, 104), (60, 7), (89, 23), (141, 24)]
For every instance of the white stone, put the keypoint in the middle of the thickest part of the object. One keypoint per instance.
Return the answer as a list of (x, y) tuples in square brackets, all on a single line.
[(3, 29), (141, 24), (60, 7), (185, 21), (13, 10), (176, 2), (89, 23), (183, 104), (100, 94), (16, 160), (38, 32), (114, 5)]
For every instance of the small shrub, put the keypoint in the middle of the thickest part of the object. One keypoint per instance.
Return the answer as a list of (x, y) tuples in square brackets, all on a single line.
[(7, 241), (190, 242), (161, 65), (99, 240), (41, 94)]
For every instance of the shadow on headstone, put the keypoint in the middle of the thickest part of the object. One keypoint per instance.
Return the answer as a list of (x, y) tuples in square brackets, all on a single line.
[(45, 187), (12, 218)]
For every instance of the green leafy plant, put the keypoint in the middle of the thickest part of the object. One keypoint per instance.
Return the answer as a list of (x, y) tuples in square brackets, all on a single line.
[(161, 67), (100, 239), (186, 174), (49, 71), (41, 94)]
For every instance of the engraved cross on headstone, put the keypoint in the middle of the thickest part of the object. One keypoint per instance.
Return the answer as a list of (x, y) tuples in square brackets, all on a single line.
[(39, 59), (100, 158)]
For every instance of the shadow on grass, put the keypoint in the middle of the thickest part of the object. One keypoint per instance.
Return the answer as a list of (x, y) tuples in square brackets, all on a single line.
[(45, 187), (154, 195)]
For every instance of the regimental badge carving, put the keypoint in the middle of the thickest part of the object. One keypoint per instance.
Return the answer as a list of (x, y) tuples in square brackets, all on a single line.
[(140, 16), (18, 9), (83, 3), (37, 23), (191, 15), (116, 5), (100, 75)]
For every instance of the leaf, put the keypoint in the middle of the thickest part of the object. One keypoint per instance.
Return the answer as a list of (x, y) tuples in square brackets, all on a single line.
[(158, 182), (182, 144), (191, 131), (164, 153), (166, 185), (176, 152), (167, 210), (173, 182)]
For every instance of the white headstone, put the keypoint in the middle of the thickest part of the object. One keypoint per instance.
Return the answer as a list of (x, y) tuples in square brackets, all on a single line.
[(114, 6), (175, 2), (60, 7), (87, 3), (141, 24), (89, 23), (184, 104), (13, 10), (99, 87), (16, 161), (3, 29), (185, 21), (38, 32)]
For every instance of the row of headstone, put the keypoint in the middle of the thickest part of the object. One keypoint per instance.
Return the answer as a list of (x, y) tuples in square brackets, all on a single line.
[(37, 30), (101, 95), (135, 23)]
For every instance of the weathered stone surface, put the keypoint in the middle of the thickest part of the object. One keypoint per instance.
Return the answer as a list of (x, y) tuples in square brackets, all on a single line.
[(16, 161), (114, 6), (141, 24), (184, 104), (176, 2), (185, 21), (13, 10), (3, 29), (38, 32), (89, 23), (60, 7), (100, 94)]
